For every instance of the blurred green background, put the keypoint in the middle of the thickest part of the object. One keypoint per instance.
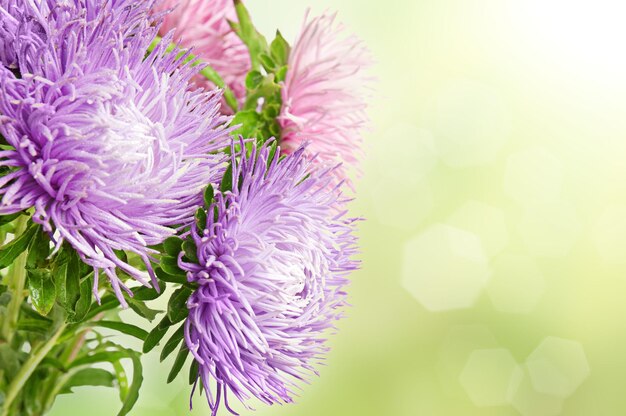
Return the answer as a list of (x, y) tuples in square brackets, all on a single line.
[(494, 274)]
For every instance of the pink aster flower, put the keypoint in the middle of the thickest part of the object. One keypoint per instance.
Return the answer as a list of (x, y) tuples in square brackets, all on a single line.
[(325, 94), (203, 26)]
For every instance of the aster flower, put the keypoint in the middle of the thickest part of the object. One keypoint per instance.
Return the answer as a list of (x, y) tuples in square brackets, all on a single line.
[(272, 264), (324, 94), (203, 26), (110, 149)]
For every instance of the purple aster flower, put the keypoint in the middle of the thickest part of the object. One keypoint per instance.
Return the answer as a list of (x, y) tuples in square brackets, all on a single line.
[(111, 149), (272, 266)]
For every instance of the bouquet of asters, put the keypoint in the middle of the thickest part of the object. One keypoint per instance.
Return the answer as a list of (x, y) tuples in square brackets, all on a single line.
[(166, 148)]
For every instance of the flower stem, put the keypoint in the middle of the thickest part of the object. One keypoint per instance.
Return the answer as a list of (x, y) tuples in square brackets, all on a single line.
[(208, 72), (16, 281), (28, 368)]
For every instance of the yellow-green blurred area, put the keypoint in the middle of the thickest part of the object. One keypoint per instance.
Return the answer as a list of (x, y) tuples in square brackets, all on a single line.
[(494, 251)]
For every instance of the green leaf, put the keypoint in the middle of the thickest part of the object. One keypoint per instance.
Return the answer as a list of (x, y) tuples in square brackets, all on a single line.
[(248, 120), (42, 290), (143, 293), (272, 153), (281, 74), (156, 335), (90, 377), (248, 34), (227, 180), (268, 63), (5, 219), (83, 305), (11, 251), (209, 195), (177, 306), (122, 379), (116, 356), (143, 310), (170, 266), (178, 363), (193, 372), (254, 80), (172, 246), (166, 277), (190, 249), (280, 49), (201, 218), (124, 328), (172, 343), (38, 250), (10, 361), (33, 325)]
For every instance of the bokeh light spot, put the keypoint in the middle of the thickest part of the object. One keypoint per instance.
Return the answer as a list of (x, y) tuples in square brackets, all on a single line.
[(489, 377), (558, 366), (529, 402), (445, 268), (487, 222)]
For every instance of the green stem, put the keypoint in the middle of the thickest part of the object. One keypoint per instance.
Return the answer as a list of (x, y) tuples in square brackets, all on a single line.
[(208, 72), (16, 281), (28, 368)]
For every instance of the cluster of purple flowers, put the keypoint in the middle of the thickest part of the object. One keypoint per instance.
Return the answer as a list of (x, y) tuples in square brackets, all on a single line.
[(110, 143)]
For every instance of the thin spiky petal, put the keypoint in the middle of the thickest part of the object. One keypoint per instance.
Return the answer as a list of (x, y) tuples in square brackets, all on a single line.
[(325, 95)]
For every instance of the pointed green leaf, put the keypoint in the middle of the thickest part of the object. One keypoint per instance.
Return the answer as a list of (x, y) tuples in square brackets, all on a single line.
[(280, 49), (173, 342), (254, 80), (124, 328), (172, 246), (156, 335), (42, 290), (170, 266), (143, 310), (177, 306), (166, 277), (90, 377), (10, 252), (38, 250), (248, 120), (209, 194), (190, 249), (178, 363), (193, 372), (227, 180)]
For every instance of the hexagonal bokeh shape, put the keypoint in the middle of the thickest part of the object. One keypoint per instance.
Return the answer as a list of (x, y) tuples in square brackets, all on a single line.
[(550, 229), (529, 402), (558, 366), (533, 175), (486, 221), (411, 157), (609, 234), (489, 376), (402, 205), (471, 124), (459, 343), (445, 268), (516, 284)]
